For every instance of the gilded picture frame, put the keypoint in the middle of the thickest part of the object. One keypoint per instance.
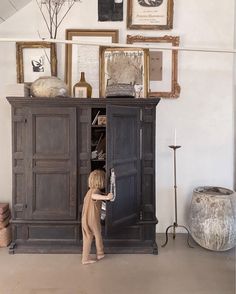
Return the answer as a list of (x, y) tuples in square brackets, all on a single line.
[(150, 14), (124, 66), (167, 85), (85, 58), (35, 59)]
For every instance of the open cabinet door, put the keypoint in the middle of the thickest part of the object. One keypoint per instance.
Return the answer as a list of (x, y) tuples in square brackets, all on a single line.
[(123, 155)]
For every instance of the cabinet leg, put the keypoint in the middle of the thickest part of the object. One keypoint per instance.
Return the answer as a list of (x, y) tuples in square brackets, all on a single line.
[(155, 248), (12, 247)]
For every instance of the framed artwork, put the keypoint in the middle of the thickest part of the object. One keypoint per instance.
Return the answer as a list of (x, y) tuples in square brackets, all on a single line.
[(150, 14), (35, 59), (85, 58), (124, 66), (110, 10), (163, 65)]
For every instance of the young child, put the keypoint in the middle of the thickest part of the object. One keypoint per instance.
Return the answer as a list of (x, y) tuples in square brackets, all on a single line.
[(91, 214)]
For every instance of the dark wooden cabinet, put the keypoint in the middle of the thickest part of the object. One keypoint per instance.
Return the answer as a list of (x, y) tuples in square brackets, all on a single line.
[(53, 142)]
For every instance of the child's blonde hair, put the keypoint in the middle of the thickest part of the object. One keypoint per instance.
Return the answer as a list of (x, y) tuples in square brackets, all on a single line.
[(96, 179)]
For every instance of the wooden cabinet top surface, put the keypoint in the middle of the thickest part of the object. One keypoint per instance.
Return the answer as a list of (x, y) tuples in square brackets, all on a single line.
[(76, 102)]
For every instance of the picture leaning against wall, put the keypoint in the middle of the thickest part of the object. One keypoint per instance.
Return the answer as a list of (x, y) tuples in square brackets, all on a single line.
[(124, 66), (163, 64), (85, 58), (35, 59)]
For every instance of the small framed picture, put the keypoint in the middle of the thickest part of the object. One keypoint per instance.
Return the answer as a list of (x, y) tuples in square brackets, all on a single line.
[(35, 59), (124, 66), (102, 120), (80, 92)]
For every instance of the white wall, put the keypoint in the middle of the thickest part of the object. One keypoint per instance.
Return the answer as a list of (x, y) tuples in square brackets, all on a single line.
[(203, 115), (234, 95)]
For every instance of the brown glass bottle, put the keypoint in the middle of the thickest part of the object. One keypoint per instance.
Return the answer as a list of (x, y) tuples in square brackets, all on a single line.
[(82, 89)]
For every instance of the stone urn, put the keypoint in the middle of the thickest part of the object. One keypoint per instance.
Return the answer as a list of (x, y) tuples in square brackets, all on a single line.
[(212, 220)]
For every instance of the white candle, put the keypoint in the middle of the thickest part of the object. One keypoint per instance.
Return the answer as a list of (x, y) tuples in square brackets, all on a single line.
[(175, 138)]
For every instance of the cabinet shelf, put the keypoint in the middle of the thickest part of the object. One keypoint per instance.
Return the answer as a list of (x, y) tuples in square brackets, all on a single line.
[(98, 126)]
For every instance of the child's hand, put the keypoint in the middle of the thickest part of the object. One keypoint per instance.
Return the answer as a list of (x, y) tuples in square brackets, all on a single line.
[(109, 196)]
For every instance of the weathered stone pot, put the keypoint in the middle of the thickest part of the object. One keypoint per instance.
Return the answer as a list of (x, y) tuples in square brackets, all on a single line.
[(212, 220), (48, 87)]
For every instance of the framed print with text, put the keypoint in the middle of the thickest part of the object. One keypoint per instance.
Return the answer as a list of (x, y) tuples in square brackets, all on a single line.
[(163, 65), (150, 14), (85, 58)]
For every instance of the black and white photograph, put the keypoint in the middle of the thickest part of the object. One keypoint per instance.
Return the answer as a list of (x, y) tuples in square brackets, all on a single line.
[(110, 10)]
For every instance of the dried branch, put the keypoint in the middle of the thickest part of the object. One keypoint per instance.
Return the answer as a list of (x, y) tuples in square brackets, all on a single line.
[(66, 13), (40, 8), (52, 13)]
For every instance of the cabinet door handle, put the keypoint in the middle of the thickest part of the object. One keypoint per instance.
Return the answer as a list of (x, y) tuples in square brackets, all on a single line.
[(113, 184)]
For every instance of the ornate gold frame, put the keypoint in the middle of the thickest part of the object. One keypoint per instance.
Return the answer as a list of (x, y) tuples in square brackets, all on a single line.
[(70, 33), (167, 26), (145, 67), (20, 46), (174, 40)]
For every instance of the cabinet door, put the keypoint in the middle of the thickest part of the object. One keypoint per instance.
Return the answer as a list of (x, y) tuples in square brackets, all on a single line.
[(51, 160), (123, 154), (19, 123)]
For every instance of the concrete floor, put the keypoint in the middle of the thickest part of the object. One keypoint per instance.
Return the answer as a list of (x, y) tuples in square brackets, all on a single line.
[(177, 269)]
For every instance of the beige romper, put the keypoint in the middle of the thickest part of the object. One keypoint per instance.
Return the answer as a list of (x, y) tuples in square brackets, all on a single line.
[(91, 225)]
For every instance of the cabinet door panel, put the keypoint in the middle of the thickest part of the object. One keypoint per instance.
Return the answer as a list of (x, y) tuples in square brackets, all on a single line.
[(123, 154), (51, 135), (18, 162), (51, 160)]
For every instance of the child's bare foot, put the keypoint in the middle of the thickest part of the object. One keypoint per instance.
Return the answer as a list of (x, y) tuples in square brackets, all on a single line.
[(100, 256), (89, 261)]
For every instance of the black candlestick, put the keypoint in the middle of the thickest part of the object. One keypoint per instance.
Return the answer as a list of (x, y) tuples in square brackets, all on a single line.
[(175, 224)]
